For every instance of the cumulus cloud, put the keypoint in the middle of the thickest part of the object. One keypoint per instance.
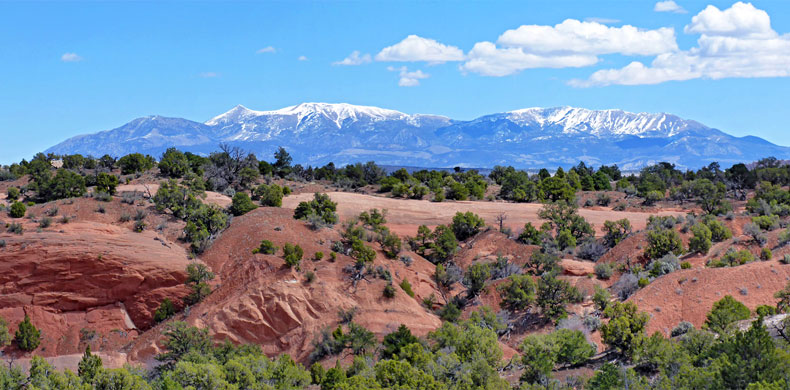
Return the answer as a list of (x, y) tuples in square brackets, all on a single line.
[(669, 6), (573, 36), (302, 58), (487, 59), (70, 57), (355, 58), (267, 49), (416, 48), (407, 78), (735, 42), (572, 43), (740, 20)]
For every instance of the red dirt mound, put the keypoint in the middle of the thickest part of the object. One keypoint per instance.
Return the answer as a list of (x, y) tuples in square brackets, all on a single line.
[(688, 295), (259, 300)]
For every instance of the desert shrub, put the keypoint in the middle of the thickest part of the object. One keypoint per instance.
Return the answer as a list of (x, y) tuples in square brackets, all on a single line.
[(541, 352), (701, 239), (566, 240), (785, 259), (753, 230), (17, 210), (406, 260), (438, 196), (518, 292), (449, 312), (601, 298), (106, 183), (389, 291), (45, 222), (270, 195), (685, 265), (541, 261), (553, 294), (733, 258), (652, 197), (616, 231), (603, 200), (661, 242), (266, 248), (15, 228), (643, 282), (125, 217), (667, 264), (140, 215), (604, 270), (309, 277), (625, 286), (406, 286), (390, 243), (139, 226), (135, 162), (292, 255), (725, 312), (625, 328), (530, 235), (682, 328), (173, 163), (765, 254), (784, 238), (476, 276), (590, 250), (718, 231), (12, 193), (51, 212), (198, 276), (318, 256), (165, 310), (766, 222), (242, 204), (591, 322), (321, 205), (466, 225), (27, 336), (765, 310)]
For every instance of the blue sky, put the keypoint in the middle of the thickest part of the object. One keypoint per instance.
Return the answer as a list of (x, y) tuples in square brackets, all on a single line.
[(74, 68)]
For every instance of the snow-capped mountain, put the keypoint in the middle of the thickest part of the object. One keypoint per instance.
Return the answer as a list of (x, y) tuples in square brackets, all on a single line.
[(317, 133)]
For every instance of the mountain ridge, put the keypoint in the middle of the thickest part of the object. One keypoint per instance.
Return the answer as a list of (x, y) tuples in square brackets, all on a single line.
[(317, 133)]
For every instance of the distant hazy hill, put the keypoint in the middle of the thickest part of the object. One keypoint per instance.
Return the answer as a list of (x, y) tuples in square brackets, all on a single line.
[(317, 133)]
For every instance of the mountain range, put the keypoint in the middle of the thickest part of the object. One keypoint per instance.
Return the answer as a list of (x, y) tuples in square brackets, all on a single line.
[(317, 133)]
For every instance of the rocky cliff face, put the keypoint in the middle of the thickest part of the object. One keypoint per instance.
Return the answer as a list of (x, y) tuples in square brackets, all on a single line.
[(86, 282)]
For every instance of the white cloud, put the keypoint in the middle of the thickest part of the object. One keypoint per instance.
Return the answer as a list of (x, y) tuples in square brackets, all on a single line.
[(355, 58), (302, 58), (488, 60), (70, 57), (570, 44), (737, 42), (669, 6), (208, 75), (408, 79), (573, 36), (740, 20), (416, 48), (267, 49), (602, 20)]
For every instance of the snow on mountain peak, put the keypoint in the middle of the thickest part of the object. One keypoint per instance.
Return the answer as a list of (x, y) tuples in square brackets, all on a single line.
[(236, 114), (573, 120)]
